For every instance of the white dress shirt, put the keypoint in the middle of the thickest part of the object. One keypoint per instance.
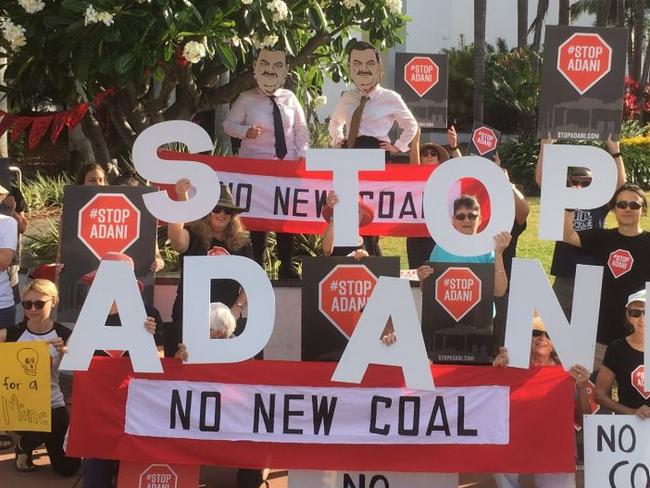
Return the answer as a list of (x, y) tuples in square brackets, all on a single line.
[(253, 107), (383, 108)]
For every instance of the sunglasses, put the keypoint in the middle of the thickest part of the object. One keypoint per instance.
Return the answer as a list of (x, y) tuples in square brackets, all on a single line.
[(580, 182), (227, 211), (622, 204), (539, 333), (430, 153), (37, 304), (470, 216), (635, 313)]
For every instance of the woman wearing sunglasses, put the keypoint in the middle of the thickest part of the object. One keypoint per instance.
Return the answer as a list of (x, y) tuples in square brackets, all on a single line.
[(466, 220), (39, 298), (542, 353), (624, 363), (218, 233), (624, 254)]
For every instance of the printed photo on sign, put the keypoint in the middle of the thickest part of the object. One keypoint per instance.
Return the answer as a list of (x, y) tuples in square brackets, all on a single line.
[(484, 141), (421, 80), (582, 83), (457, 313), (25, 403), (334, 292), (109, 222)]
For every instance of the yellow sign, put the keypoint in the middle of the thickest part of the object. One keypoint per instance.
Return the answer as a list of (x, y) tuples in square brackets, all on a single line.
[(25, 387)]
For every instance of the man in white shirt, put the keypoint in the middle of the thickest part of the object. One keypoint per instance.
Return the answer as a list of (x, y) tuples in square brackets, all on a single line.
[(8, 243), (364, 116), (271, 125)]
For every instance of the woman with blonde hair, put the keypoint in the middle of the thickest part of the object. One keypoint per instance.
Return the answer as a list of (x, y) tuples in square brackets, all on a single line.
[(39, 299), (542, 353), (218, 233)]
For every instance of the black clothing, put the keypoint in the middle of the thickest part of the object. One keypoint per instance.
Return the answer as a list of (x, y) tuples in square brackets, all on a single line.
[(627, 364), (565, 256), (602, 244)]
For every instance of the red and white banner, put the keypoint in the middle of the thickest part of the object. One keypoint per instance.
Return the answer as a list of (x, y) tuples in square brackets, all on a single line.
[(290, 415), (284, 196)]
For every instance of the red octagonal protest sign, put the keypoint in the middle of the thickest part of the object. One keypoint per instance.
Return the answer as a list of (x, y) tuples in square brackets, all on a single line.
[(343, 293), (584, 59), (158, 476), (638, 381), (109, 222), (484, 139), (421, 74), (458, 290), (620, 262)]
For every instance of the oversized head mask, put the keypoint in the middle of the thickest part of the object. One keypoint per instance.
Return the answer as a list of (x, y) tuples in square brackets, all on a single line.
[(270, 70), (365, 69)]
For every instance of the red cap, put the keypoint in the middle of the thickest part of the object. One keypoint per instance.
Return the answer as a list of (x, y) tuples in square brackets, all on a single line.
[(46, 272), (112, 256)]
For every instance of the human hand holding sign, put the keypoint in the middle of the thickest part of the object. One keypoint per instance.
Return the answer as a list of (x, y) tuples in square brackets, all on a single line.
[(613, 147), (59, 345), (182, 188), (424, 272), (501, 242)]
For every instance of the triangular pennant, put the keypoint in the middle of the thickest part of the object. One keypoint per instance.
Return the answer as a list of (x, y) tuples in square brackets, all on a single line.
[(57, 126), (39, 128), (6, 122), (75, 115), (19, 127), (101, 96)]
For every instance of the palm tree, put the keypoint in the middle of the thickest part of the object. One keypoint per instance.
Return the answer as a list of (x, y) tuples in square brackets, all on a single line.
[(538, 24), (522, 23), (564, 16), (480, 13), (639, 35), (602, 14)]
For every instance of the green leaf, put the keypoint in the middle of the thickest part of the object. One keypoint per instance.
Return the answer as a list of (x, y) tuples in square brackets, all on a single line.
[(124, 63), (75, 5), (227, 56)]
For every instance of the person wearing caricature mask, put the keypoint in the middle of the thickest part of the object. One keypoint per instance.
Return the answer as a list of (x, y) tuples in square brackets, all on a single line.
[(364, 116), (271, 125)]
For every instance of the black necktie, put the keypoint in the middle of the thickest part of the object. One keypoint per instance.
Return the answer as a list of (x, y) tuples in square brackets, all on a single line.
[(278, 129)]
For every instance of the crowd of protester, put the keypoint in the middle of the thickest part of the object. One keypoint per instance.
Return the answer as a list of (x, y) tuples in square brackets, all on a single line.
[(362, 119)]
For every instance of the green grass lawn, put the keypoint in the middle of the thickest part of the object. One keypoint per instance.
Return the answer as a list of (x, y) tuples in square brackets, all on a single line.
[(529, 246)]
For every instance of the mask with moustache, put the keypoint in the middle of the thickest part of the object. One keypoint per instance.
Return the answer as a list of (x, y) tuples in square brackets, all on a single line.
[(270, 70)]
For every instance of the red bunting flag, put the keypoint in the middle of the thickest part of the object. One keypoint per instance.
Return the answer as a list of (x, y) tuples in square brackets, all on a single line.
[(6, 122), (75, 115), (101, 96), (57, 126), (39, 128), (19, 127)]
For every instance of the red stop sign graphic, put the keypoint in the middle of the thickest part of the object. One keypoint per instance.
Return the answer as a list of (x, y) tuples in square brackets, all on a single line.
[(484, 139), (343, 293), (158, 476), (421, 74), (109, 222), (584, 59), (638, 381), (620, 262), (458, 290)]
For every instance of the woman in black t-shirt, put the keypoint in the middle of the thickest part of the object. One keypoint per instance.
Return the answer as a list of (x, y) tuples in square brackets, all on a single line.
[(624, 363), (218, 233)]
